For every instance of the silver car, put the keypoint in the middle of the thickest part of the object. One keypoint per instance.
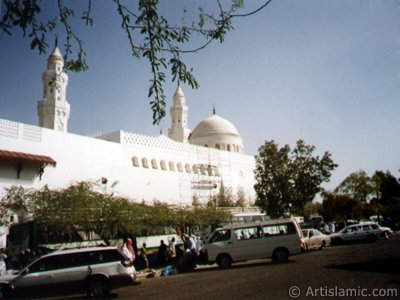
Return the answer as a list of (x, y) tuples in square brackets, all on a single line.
[(93, 270), (368, 231)]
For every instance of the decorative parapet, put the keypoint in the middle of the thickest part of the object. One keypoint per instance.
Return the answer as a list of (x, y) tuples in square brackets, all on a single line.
[(16, 130), (164, 142)]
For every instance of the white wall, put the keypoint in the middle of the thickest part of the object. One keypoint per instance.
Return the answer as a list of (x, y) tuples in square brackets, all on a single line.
[(84, 158)]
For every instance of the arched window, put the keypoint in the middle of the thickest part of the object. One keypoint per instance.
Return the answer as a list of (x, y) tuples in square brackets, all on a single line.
[(135, 161), (203, 170), (145, 162), (196, 169), (187, 168), (228, 148), (154, 164), (171, 166), (163, 165), (217, 146), (210, 170), (179, 165)]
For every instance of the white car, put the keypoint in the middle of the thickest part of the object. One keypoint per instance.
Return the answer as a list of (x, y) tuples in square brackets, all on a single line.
[(94, 270), (368, 231), (314, 239)]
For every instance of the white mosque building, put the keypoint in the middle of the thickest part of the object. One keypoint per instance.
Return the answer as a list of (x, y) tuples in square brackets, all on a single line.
[(172, 169)]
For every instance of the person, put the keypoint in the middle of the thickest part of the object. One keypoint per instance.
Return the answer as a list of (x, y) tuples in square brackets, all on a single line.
[(199, 246), (143, 255), (162, 254), (332, 227), (171, 251), (3, 259), (128, 250)]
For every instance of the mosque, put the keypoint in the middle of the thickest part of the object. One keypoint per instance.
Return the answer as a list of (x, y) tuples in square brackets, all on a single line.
[(173, 169)]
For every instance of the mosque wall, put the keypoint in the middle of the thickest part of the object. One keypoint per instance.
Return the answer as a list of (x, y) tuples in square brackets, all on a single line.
[(136, 166)]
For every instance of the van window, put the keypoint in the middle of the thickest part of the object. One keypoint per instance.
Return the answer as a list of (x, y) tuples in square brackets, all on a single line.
[(278, 229), (221, 235), (246, 233)]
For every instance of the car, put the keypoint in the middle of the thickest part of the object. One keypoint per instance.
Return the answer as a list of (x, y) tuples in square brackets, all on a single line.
[(366, 231), (275, 239), (95, 271), (314, 239)]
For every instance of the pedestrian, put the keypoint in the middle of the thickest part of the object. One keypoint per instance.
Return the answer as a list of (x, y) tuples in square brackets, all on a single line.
[(128, 250), (172, 251), (3, 261), (162, 254), (143, 255), (199, 246)]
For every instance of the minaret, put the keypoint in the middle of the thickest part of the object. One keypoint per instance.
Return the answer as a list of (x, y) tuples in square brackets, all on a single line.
[(53, 109), (179, 113)]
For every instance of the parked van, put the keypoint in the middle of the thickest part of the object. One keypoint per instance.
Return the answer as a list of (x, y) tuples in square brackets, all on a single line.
[(276, 239)]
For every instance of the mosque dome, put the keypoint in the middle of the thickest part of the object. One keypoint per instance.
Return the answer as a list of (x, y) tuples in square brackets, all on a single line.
[(217, 132)]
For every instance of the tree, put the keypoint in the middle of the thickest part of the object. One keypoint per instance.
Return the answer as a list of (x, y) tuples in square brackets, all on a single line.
[(241, 200), (388, 199), (286, 179), (357, 185), (79, 207), (336, 207), (224, 198), (150, 35)]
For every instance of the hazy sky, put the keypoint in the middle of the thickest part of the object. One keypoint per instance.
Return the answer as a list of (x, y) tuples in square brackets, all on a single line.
[(327, 72)]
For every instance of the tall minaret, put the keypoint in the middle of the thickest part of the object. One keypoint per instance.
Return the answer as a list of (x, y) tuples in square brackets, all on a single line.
[(179, 113), (53, 109)]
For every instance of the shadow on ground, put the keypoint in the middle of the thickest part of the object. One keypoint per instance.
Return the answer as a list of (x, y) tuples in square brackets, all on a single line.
[(389, 266)]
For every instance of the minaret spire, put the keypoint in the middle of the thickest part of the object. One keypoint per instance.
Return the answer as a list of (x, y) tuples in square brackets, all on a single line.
[(53, 110), (179, 114)]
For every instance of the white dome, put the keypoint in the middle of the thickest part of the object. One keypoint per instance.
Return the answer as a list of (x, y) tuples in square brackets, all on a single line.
[(217, 132)]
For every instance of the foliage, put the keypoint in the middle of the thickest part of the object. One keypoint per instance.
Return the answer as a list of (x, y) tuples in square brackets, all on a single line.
[(241, 200), (336, 207), (224, 198), (16, 201), (388, 199), (312, 208), (79, 207), (357, 185), (150, 35), (286, 179)]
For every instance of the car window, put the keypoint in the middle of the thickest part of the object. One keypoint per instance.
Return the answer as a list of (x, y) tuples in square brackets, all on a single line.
[(248, 233), (279, 229), (221, 235), (43, 265), (366, 227), (317, 233), (374, 226)]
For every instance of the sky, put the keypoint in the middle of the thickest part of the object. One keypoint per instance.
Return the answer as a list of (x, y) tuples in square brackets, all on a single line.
[(327, 72)]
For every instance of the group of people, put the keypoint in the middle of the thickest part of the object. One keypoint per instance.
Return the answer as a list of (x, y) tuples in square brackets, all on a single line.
[(182, 255)]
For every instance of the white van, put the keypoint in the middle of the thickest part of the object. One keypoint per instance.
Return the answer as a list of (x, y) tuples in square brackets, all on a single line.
[(275, 239)]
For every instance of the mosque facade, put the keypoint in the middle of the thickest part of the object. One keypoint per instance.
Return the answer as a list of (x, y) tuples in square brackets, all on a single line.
[(173, 169)]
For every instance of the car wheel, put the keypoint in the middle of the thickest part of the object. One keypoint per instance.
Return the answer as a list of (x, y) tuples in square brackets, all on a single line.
[(323, 244), (280, 256), (7, 292), (372, 238), (224, 261), (336, 241), (98, 288)]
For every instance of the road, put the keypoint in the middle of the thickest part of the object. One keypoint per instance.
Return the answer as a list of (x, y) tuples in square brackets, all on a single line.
[(359, 271)]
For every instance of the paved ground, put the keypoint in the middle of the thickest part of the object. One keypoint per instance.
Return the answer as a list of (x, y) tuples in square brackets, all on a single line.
[(358, 270)]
